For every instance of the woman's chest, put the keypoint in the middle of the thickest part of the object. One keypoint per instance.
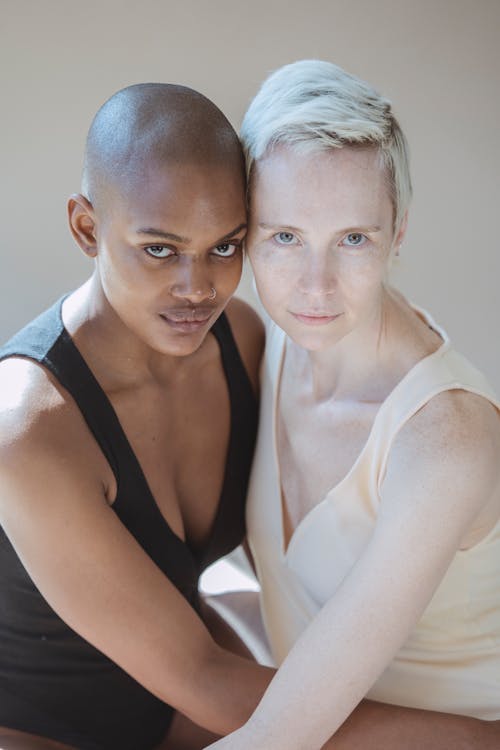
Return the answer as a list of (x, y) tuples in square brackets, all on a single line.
[(180, 439), (318, 445)]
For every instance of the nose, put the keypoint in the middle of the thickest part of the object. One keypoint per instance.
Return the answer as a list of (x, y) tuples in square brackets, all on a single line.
[(191, 281), (317, 275)]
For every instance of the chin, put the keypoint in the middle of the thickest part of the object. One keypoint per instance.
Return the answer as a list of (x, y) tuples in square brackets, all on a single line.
[(182, 348), (174, 347)]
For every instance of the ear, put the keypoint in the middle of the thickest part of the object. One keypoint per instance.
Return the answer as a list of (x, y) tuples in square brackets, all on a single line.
[(398, 241), (82, 223)]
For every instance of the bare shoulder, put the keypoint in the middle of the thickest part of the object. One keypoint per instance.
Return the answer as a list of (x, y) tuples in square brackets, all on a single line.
[(455, 423), (248, 330), (41, 429), (454, 439), (27, 398), (30, 401)]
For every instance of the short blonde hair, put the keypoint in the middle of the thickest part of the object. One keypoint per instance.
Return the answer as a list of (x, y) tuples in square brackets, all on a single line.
[(312, 105)]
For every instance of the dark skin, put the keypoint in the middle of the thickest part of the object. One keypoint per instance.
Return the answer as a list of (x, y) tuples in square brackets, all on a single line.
[(165, 229), (184, 185)]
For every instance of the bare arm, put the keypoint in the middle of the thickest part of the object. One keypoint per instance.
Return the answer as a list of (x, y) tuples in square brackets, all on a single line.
[(378, 726), (432, 494), (183, 733)]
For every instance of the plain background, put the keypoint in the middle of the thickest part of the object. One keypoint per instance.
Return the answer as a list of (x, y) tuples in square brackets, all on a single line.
[(437, 60)]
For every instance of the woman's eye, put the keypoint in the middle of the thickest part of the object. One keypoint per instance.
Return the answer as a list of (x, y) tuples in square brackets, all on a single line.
[(158, 251), (285, 238), (354, 239), (226, 249)]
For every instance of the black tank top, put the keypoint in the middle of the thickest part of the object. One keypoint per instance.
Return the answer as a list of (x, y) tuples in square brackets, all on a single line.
[(52, 681)]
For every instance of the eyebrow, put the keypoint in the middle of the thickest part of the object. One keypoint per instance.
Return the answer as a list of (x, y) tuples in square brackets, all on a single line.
[(287, 227), (152, 232)]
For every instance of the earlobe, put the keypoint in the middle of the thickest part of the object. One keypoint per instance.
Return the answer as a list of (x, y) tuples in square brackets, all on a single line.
[(82, 223)]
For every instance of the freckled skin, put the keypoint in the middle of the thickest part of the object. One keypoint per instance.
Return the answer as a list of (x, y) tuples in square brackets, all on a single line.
[(325, 267), (320, 242)]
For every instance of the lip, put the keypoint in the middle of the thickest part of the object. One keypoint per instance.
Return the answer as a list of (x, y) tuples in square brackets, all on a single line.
[(315, 318), (187, 320)]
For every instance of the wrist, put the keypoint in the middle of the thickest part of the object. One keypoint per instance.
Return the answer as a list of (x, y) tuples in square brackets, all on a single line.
[(255, 734)]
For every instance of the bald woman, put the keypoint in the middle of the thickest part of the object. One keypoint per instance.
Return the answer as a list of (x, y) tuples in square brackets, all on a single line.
[(127, 424)]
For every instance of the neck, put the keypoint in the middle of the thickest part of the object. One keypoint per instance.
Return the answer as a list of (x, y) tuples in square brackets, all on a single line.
[(356, 367), (369, 362)]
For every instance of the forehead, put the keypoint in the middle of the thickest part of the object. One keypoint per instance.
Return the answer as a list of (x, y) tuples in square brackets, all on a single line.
[(340, 180), (187, 192)]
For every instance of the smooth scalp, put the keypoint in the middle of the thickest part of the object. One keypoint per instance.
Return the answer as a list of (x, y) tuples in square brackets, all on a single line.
[(154, 124)]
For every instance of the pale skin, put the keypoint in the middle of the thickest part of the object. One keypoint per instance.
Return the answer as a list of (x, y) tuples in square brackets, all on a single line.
[(320, 257)]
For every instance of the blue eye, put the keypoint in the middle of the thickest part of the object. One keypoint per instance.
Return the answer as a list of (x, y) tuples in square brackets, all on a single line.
[(354, 239), (158, 251), (285, 238), (226, 249)]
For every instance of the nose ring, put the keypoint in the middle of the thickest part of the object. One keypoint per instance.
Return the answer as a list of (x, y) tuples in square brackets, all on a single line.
[(213, 294)]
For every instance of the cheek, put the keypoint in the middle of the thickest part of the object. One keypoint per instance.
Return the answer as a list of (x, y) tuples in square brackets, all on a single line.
[(272, 284), (227, 277), (113, 275), (273, 272), (117, 262), (362, 287), (362, 271), (126, 281)]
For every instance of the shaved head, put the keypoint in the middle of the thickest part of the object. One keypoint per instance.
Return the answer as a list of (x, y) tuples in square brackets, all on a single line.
[(149, 125)]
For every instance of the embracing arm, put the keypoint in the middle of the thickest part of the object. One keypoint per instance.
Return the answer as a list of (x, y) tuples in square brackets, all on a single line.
[(95, 575), (442, 473), (379, 726)]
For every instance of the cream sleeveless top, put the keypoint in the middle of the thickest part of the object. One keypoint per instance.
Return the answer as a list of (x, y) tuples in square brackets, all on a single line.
[(451, 661)]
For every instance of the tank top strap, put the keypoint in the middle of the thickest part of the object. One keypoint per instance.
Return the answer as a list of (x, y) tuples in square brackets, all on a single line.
[(240, 387), (36, 338), (230, 516)]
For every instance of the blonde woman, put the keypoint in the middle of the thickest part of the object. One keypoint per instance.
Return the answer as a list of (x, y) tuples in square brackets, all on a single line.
[(374, 508)]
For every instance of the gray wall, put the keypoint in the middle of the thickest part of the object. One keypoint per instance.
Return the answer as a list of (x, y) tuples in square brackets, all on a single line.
[(438, 60)]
